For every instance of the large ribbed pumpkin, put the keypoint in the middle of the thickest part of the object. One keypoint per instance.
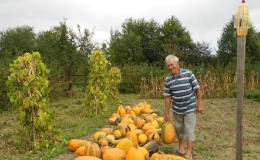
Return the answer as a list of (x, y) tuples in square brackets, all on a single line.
[(168, 133), (87, 158), (162, 156), (80, 151), (135, 153), (114, 154), (93, 149), (76, 143)]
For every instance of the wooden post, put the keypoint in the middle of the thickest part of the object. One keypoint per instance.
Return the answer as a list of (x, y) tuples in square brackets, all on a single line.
[(241, 43)]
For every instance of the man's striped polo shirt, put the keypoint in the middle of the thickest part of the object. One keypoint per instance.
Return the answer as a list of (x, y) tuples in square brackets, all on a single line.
[(182, 91)]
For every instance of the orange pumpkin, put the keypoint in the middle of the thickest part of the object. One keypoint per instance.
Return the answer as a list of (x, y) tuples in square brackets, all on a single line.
[(139, 123), (93, 150), (168, 133), (73, 144), (135, 153), (87, 158), (114, 154)]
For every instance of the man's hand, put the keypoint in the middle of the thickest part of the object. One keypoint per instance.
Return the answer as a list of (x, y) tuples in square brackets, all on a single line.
[(199, 108), (167, 117)]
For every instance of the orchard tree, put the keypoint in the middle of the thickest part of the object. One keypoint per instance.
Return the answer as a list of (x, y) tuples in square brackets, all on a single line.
[(14, 42), (61, 50)]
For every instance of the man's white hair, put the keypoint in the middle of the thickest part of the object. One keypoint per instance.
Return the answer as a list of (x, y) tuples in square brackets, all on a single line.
[(172, 57)]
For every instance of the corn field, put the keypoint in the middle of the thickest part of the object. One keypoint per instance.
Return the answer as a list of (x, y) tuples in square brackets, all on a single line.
[(213, 85)]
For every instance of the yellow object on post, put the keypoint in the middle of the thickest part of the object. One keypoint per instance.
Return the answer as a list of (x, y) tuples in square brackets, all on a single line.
[(241, 20)]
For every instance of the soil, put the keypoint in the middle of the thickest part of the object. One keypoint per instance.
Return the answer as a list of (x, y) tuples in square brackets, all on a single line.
[(216, 130)]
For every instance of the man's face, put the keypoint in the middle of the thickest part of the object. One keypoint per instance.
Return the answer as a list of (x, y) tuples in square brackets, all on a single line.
[(173, 67)]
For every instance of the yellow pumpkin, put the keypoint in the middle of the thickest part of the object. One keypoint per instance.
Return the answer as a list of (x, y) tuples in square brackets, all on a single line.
[(121, 111), (107, 130), (125, 144), (168, 133), (103, 142), (154, 137), (110, 138), (155, 124), (122, 128), (138, 131), (154, 115), (117, 134), (97, 134), (112, 120), (136, 109), (133, 137), (162, 156), (150, 131), (142, 139), (131, 127), (160, 120), (144, 151), (135, 153)]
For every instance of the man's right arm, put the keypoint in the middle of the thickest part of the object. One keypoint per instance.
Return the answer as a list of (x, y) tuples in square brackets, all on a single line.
[(167, 103)]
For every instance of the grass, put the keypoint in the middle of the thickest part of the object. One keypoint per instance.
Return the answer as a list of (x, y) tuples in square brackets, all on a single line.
[(254, 95), (215, 131)]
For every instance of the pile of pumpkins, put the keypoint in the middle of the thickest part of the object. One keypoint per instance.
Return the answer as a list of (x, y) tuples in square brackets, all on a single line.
[(135, 134)]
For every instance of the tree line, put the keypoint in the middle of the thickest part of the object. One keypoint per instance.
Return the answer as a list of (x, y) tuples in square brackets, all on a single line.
[(139, 42)]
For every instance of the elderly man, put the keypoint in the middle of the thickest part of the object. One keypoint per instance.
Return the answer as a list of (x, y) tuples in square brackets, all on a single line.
[(180, 92)]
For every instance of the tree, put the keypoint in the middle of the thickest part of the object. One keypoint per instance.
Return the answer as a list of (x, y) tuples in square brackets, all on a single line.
[(176, 39), (85, 47), (143, 41), (201, 54), (13, 43), (227, 45), (137, 43), (61, 50)]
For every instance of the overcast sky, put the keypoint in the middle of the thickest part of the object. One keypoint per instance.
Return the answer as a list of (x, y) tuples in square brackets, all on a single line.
[(204, 19)]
